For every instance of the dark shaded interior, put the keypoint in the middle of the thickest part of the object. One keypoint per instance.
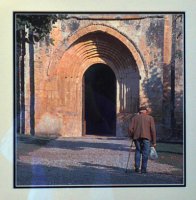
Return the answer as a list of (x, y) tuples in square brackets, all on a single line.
[(100, 100)]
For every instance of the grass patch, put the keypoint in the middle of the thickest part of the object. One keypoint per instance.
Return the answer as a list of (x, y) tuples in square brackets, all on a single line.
[(170, 148)]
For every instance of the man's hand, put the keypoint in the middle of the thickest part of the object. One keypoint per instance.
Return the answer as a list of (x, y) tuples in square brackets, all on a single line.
[(154, 145)]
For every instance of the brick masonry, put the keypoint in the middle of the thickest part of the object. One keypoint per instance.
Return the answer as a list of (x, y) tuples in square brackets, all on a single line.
[(138, 48)]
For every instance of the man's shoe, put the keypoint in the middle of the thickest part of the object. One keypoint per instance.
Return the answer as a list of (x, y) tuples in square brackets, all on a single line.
[(137, 170)]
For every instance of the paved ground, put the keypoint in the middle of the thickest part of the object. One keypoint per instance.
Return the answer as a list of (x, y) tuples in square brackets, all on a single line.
[(87, 161)]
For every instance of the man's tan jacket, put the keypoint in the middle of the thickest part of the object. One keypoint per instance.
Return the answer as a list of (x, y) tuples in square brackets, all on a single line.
[(143, 126)]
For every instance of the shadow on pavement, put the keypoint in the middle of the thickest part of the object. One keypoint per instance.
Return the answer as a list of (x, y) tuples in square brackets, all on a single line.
[(86, 174), (73, 144)]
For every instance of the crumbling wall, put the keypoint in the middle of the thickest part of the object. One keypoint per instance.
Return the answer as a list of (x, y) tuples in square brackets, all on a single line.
[(57, 112)]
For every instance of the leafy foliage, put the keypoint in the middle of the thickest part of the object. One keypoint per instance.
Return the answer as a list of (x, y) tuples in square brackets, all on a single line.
[(38, 25)]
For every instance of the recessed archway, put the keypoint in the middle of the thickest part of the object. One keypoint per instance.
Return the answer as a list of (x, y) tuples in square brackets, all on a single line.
[(101, 48), (99, 105)]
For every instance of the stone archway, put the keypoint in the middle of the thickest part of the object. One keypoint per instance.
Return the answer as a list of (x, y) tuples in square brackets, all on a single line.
[(102, 48), (116, 34), (107, 47)]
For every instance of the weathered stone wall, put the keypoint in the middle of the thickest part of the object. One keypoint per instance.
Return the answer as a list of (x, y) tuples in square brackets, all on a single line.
[(136, 47), (179, 73)]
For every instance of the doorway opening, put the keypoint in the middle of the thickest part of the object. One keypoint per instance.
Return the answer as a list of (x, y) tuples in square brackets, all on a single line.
[(99, 101)]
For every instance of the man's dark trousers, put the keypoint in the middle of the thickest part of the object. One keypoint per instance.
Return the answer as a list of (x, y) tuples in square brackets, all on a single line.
[(142, 148)]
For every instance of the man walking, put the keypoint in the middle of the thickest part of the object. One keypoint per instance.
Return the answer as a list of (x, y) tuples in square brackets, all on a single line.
[(142, 130)]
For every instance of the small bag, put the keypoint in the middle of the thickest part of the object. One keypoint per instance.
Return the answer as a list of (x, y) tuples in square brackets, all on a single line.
[(153, 153)]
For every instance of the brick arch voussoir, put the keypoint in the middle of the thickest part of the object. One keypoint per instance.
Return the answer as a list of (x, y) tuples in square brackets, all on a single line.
[(93, 61), (118, 35)]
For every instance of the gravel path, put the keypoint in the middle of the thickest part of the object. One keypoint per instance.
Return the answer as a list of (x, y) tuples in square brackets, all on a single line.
[(86, 161)]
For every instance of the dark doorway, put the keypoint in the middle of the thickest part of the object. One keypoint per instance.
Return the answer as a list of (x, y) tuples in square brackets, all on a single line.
[(100, 100)]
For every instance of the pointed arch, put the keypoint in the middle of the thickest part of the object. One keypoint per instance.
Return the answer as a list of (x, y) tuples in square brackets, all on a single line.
[(115, 33)]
